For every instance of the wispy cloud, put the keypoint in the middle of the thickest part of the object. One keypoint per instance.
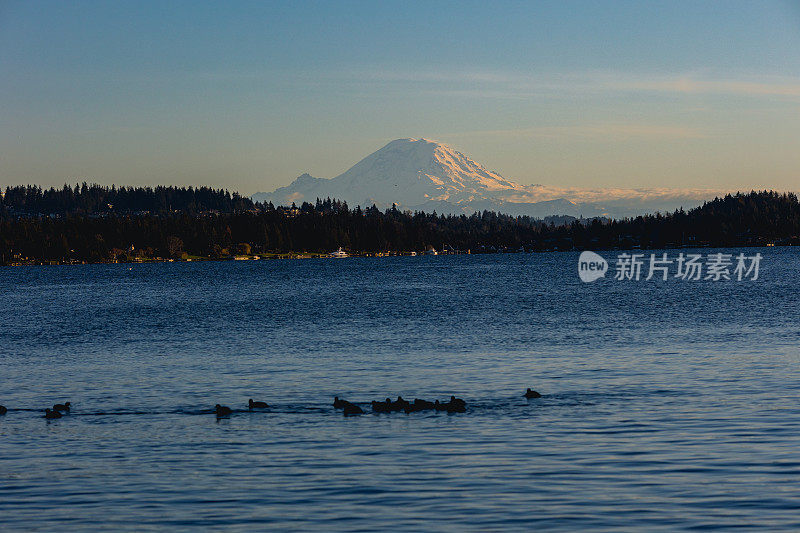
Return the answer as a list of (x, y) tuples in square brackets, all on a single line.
[(511, 85), (612, 195), (475, 83), (784, 87), (445, 76), (600, 131)]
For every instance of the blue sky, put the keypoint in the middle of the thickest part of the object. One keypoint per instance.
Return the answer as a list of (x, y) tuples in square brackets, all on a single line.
[(249, 95)]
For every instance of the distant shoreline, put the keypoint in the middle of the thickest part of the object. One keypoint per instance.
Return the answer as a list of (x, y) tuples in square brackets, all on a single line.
[(320, 255)]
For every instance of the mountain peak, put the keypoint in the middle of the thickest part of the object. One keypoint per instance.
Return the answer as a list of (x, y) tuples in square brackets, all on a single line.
[(421, 140), (424, 174), (408, 171), (449, 174)]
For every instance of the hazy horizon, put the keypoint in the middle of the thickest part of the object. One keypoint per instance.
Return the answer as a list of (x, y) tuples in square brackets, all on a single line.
[(247, 97)]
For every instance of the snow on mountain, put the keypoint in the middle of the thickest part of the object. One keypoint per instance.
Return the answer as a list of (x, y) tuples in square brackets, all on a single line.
[(305, 187), (420, 174), (406, 172)]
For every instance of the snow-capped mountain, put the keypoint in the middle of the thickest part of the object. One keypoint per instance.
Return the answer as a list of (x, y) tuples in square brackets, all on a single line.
[(420, 174), (406, 172)]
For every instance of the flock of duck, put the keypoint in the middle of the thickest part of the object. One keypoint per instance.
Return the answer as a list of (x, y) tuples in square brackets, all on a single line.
[(454, 405), (57, 410)]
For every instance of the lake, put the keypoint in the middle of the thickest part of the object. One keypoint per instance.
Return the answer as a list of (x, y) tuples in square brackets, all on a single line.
[(667, 405)]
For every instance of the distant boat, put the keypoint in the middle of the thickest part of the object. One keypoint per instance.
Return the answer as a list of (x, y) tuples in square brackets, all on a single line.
[(430, 251), (339, 253)]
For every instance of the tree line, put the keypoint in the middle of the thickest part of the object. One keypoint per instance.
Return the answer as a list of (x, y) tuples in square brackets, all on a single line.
[(85, 199), (756, 218)]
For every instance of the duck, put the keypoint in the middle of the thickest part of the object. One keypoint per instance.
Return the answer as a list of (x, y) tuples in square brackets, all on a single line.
[(339, 404), (423, 404), (381, 407), (455, 405), (61, 406), (531, 394), (458, 402), (399, 405), (3, 409), (352, 409), (420, 405), (411, 408), (50, 414), (388, 406), (221, 410), (256, 405)]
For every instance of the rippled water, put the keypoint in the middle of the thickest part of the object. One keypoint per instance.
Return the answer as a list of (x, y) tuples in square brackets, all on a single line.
[(667, 405)]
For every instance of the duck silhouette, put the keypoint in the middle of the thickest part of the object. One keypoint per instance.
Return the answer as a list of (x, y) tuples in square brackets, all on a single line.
[(3, 409), (50, 414), (423, 404), (400, 404), (411, 408), (420, 405), (61, 406), (532, 394), (221, 410), (339, 404), (352, 409), (381, 407), (455, 405), (256, 405), (457, 401), (390, 405)]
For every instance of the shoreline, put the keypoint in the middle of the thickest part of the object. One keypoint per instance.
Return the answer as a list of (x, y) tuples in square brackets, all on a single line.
[(321, 255)]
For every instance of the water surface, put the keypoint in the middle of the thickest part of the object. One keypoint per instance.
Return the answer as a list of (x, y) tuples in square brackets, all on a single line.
[(667, 405)]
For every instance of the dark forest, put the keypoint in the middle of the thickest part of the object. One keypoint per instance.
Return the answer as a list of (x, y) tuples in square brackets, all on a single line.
[(97, 224)]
